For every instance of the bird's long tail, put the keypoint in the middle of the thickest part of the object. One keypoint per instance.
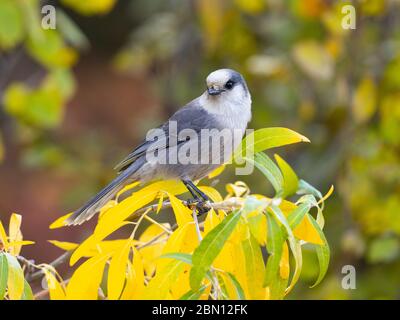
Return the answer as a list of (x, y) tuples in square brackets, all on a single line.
[(99, 200)]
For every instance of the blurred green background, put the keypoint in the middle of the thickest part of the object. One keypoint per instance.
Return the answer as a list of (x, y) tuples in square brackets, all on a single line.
[(76, 99)]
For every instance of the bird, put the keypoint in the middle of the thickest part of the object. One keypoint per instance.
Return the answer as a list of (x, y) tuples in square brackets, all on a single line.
[(225, 106)]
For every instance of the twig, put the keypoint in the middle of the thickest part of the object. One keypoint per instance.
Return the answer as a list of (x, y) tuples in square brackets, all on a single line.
[(60, 260)]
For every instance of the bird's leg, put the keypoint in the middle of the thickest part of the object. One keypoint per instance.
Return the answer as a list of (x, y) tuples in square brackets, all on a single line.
[(198, 196)]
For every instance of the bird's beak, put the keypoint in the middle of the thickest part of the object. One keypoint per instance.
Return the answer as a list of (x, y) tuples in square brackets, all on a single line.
[(214, 91)]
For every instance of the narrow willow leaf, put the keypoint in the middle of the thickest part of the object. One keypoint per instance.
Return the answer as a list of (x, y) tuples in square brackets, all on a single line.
[(184, 257), (67, 246), (323, 252), (293, 244), (268, 138), (258, 227), (269, 169), (14, 234), (210, 247), (85, 281), (290, 180), (274, 246), (193, 295), (238, 288), (3, 275), (183, 214), (255, 268), (56, 289), (160, 285), (117, 270), (3, 237), (306, 188), (27, 294), (297, 215), (15, 281)]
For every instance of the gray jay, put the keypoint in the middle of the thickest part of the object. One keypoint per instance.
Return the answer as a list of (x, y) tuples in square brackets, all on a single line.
[(224, 106)]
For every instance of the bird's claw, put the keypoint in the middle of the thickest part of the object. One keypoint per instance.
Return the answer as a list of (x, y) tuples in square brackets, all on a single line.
[(201, 206)]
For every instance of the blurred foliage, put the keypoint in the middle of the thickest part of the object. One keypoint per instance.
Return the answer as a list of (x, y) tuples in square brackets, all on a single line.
[(340, 87)]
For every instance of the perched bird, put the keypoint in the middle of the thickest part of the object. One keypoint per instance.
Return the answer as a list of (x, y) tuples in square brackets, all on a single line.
[(225, 107)]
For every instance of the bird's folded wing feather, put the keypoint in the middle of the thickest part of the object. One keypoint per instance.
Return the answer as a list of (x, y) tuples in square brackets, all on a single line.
[(192, 116)]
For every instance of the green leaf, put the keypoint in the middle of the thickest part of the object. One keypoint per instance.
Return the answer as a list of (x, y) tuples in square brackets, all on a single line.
[(267, 138), (293, 244), (27, 294), (184, 257), (269, 169), (193, 295), (160, 285), (11, 24), (306, 188), (210, 247), (3, 275), (290, 180), (15, 281), (323, 252), (275, 242)]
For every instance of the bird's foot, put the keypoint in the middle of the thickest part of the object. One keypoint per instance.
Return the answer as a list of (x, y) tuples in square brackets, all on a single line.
[(200, 206)]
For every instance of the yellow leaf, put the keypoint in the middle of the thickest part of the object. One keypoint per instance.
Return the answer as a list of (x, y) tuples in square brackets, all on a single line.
[(306, 232), (364, 100), (183, 214), (91, 243), (159, 287), (85, 281), (67, 246), (216, 172), (237, 189), (212, 220), (182, 283), (284, 267), (15, 281), (127, 188), (90, 7), (14, 234), (314, 59), (56, 289), (212, 193), (153, 251), (328, 194), (258, 227), (160, 202), (3, 236), (255, 269), (60, 222), (113, 217), (117, 270), (135, 278)]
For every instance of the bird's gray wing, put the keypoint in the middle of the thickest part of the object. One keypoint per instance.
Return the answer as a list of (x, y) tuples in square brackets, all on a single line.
[(192, 116)]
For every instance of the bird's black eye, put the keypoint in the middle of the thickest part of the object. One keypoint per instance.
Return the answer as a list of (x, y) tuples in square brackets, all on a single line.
[(229, 85)]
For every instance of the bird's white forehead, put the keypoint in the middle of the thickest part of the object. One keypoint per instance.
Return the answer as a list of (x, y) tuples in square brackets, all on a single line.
[(220, 77)]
